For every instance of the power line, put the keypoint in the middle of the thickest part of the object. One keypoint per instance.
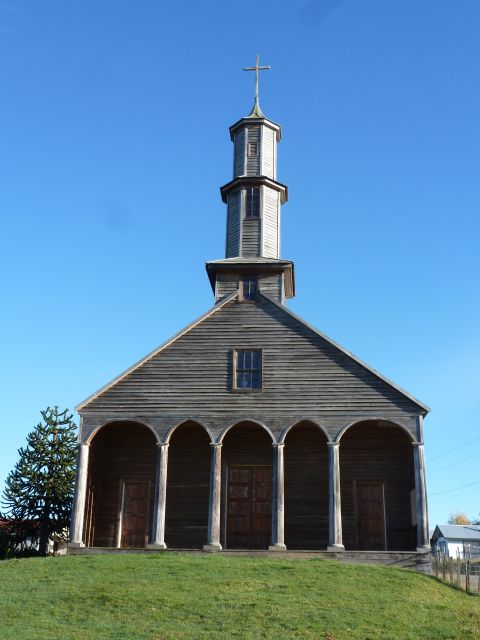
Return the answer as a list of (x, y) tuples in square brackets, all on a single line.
[(452, 464), (437, 493), (442, 455)]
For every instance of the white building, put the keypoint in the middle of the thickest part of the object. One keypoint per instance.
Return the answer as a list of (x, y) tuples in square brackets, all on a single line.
[(455, 538)]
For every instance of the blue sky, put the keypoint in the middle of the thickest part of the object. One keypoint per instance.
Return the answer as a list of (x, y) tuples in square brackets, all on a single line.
[(114, 141)]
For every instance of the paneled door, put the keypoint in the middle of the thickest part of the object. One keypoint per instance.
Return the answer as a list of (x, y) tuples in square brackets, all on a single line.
[(371, 516), (134, 513), (249, 507)]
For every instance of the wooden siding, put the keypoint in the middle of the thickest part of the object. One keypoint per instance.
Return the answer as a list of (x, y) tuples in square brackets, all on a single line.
[(253, 162), (272, 285), (271, 220), (269, 152), (304, 374), (233, 225), (306, 488), (244, 444), (239, 154), (121, 451), (227, 283), (188, 482), (373, 451), (251, 237)]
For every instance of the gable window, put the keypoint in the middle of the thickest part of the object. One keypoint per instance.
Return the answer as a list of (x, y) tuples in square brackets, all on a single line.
[(253, 202), (247, 369), (252, 149), (248, 287)]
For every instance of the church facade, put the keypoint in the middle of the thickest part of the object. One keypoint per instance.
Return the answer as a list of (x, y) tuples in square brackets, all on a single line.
[(250, 429)]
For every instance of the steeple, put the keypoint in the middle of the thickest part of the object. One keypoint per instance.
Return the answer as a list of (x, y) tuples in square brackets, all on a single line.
[(253, 198)]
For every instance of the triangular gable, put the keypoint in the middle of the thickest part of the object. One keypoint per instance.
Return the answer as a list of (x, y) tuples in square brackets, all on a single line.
[(336, 347)]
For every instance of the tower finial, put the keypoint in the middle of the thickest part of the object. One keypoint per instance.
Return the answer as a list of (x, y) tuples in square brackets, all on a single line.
[(256, 111)]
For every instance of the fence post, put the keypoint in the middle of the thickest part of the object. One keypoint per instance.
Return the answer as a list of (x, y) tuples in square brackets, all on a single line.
[(458, 569)]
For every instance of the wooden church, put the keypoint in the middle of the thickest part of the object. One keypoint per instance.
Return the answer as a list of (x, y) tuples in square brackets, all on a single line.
[(251, 429)]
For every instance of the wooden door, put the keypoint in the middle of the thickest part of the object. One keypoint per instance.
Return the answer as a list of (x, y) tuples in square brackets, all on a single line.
[(249, 507), (134, 514), (371, 516)]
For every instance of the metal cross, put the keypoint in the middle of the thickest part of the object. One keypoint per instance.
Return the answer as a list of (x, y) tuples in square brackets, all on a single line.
[(256, 68)]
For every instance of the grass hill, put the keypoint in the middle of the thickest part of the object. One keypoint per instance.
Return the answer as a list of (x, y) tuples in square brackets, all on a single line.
[(166, 596)]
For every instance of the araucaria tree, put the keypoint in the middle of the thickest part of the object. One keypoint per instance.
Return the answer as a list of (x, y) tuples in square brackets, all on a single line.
[(39, 491)]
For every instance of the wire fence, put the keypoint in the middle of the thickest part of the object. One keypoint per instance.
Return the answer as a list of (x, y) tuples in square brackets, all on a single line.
[(462, 571)]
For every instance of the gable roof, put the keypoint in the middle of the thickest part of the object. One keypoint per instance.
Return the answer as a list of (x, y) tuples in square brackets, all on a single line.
[(458, 531), (153, 353), (425, 409)]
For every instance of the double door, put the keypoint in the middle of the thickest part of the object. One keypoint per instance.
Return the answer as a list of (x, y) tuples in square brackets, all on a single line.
[(248, 507)]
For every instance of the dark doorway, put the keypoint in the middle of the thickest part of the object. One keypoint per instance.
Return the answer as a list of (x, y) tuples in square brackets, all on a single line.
[(122, 455), (249, 507), (247, 487), (370, 516), (134, 513), (377, 452)]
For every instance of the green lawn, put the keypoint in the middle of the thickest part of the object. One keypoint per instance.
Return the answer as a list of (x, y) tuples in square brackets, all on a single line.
[(185, 596)]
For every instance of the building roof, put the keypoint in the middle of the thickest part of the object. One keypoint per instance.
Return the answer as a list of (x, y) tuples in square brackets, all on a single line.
[(458, 531), (215, 309)]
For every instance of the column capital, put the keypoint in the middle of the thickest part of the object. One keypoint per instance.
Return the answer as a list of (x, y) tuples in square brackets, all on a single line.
[(83, 444), (162, 445), (216, 445), (333, 444), (277, 445), (418, 444)]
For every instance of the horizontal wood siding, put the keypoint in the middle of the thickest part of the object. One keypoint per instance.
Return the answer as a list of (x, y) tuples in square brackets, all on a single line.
[(303, 373), (250, 237), (306, 488), (271, 285), (188, 482), (227, 283), (375, 452), (271, 219), (121, 451), (233, 225), (239, 154), (269, 150), (253, 162)]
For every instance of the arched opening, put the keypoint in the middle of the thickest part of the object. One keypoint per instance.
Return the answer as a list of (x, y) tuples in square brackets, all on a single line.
[(247, 487), (188, 480), (377, 487), (306, 487), (121, 486)]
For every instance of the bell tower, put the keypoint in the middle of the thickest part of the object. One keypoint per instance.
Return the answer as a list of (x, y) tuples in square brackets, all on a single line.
[(254, 198)]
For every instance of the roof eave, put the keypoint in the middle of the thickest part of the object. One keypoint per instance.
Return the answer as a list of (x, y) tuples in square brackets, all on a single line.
[(254, 180), (425, 408), (247, 120)]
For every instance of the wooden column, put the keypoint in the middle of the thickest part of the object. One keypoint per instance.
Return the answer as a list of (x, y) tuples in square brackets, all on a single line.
[(160, 501), (213, 543), (78, 509), (278, 500), (335, 542), (423, 541)]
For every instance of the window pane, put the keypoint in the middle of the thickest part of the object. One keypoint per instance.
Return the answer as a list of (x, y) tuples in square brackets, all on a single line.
[(249, 369), (255, 380), (253, 202)]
